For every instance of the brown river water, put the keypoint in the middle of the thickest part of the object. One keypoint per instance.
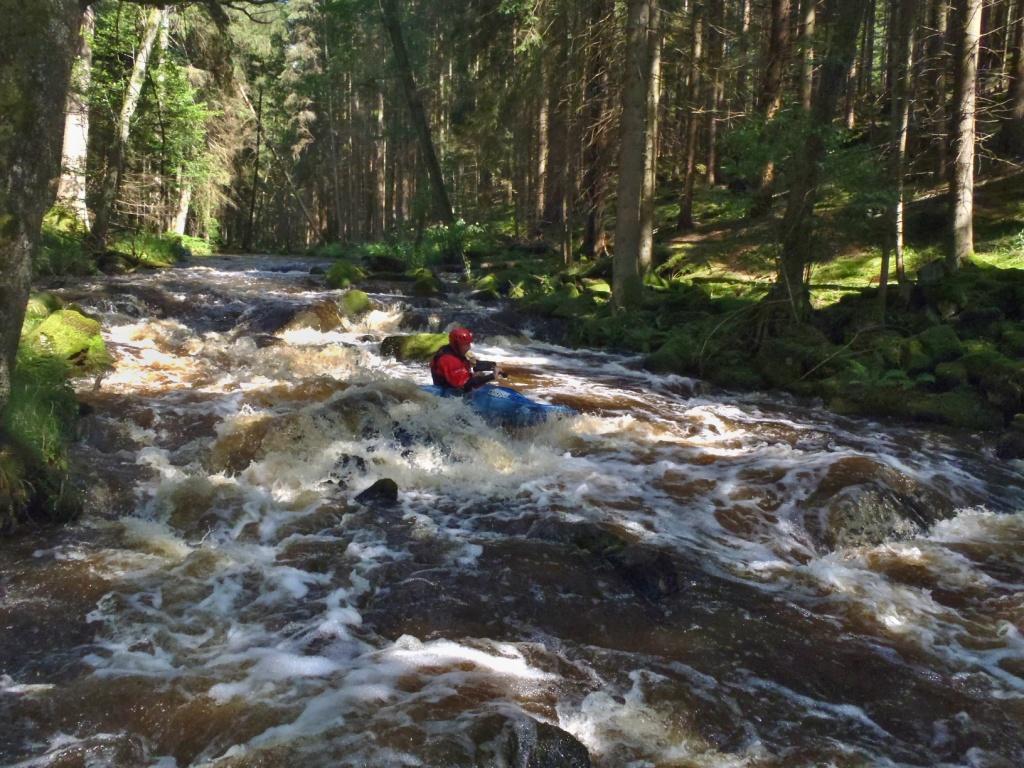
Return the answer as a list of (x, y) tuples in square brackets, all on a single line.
[(675, 577)]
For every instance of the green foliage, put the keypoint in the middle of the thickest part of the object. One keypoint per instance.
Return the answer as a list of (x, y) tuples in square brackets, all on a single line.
[(60, 246)]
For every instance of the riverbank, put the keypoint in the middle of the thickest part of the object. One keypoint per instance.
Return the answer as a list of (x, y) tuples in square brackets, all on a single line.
[(59, 343), (947, 349)]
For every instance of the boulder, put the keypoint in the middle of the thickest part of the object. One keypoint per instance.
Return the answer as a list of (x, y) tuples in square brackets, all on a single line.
[(384, 492), (323, 316), (342, 274), (1011, 445), (941, 343), (532, 744), (355, 303), (71, 336), (417, 346)]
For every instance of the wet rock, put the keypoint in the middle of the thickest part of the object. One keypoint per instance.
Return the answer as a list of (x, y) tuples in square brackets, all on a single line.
[(651, 573), (384, 492), (265, 318), (317, 271), (862, 502), (323, 316), (1011, 445), (528, 743)]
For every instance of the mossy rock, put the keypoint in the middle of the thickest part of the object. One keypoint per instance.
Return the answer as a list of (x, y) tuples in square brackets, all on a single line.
[(789, 357), (733, 371), (951, 375), (425, 283), (914, 358), (355, 303), (941, 343), (999, 377), (342, 274), (679, 354), (40, 305), (1012, 341), (417, 346), (962, 407), (71, 336)]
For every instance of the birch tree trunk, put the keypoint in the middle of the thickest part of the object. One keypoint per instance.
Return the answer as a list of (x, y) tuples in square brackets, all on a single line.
[(968, 18), (71, 190), (155, 18)]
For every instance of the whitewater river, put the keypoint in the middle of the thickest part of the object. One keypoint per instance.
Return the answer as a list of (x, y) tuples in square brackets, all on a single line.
[(676, 577)]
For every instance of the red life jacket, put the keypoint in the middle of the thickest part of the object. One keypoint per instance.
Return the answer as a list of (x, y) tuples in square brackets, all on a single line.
[(450, 369)]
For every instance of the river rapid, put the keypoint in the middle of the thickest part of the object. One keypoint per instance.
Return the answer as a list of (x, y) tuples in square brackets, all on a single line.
[(676, 577)]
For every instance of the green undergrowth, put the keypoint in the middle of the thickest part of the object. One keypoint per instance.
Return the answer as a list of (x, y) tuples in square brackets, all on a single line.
[(64, 251), (58, 342), (949, 351)]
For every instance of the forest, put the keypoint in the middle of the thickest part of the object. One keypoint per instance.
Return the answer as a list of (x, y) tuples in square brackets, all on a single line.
[(685, 223)]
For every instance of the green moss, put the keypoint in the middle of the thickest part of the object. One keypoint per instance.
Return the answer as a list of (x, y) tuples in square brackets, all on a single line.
[(417, 346), (343, 274), (962, 407), (915, 359), (355, 303), (1013, 341), (71, 336), (425, 282), (951, 375), (941, 343)]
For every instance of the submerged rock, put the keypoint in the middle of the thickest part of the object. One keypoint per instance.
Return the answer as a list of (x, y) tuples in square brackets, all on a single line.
[(384, 492), (532, 744)]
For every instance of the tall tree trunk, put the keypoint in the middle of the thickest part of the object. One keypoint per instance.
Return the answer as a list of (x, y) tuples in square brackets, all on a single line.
[(155, 18), (939, 64), (1012, 130), (71, 190), (441, 203), (555, 181), (594, 185), (37, 50), (251, 223), (843, 18), (771, 94), (685, 219), (968, 19), (654, 40), (903, 23), (808, 9), (716, 58), (742, 101), (626, 280), (184, 203)]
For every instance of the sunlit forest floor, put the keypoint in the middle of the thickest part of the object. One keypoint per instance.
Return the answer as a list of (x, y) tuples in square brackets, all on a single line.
[(730, 255)]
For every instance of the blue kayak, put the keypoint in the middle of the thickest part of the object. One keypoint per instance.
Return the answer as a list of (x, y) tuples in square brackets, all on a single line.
[(503, 406)]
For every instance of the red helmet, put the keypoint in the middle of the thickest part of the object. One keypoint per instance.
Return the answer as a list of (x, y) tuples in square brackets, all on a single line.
[(460, 337)]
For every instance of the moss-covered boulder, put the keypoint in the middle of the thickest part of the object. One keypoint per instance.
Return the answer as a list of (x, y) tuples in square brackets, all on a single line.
[(1012, 341), (342, 274), (425, 283), (799, 352), (941, 343), (42, 304), (417, 346), (355, 303), (951, 375), (962, 407), (73, 337), (999, 377)]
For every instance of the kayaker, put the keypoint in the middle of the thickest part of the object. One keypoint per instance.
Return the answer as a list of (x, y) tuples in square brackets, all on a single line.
[(454, 368)]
